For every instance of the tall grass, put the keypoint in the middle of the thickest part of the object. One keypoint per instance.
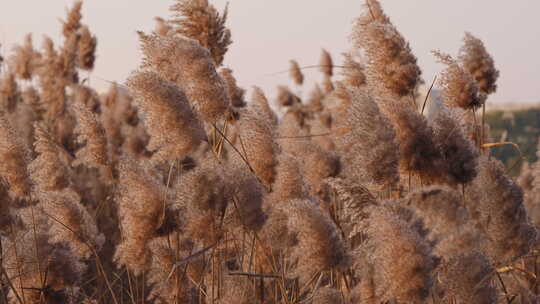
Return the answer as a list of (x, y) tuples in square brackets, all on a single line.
[(176, 187)]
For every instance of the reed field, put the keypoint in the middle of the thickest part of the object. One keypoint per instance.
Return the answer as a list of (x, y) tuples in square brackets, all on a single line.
[(177, 186)]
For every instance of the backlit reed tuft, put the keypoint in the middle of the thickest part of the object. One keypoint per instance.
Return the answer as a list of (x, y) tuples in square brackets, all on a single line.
[(326, 63), (320, 246), (459, 87), (390, 62), (479, 63), (14, 160), (296, 73), (465, 278), (354, 72), (235, 92), (10, 93), (92, 135), (199, 20), (369, 139), (140, 208), (259, 104), (257, 140), (459, 152), (401, 257), (498, 209), (25, 59), (286, 98), (185, 62), (174, 129)]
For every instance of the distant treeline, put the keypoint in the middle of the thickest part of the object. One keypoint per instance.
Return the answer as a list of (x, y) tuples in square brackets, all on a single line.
[(521, 127)]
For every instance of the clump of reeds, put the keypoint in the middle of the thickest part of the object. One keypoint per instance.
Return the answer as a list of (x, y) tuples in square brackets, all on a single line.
[(176, 189)]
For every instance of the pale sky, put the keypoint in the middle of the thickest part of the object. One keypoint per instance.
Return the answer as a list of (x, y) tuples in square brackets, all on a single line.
[(268, 33)]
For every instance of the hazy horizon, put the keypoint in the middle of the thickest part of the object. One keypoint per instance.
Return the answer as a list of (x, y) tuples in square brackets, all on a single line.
[(268, 34)]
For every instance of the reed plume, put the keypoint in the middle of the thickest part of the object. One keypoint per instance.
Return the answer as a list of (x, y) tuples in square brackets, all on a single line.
[(14, 160), (162, 28), (316, 97), (289, 183), (354, 201), (91, 134), (199, 20), (86, 48), (442, 210), (236, 93), (202, 195), (170, 282), (296, 73), (25, 59), (73, 21), (417, 149), (50, 169), (369, 141), (464, 278), (459, 87), (259, 104), (286, 98), (401, 257), (10, 94), (69, 221), (458, 151), (353, 72), (479, 63), (185, 62), (326, 63), (320, 246), (499, 211), (391, 63), (140, 207), (529, 182), (173, 128), (257, 137), (41, 272)]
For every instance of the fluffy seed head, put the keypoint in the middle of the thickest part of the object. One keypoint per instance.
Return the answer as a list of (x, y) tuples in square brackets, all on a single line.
[(459, 87), (402, 259), (459, 152), (326, 63), (479, 63), (185, 62), (173, 128), (24, 60), (13, 161), (391, 63), (498, 209), (369, 142), (199, 20), (320, 246), (86, 49), (353, 71), (236, 93), (296, 73)]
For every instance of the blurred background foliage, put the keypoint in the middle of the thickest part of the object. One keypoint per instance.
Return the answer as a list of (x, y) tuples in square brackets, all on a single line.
[(520, 126)]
